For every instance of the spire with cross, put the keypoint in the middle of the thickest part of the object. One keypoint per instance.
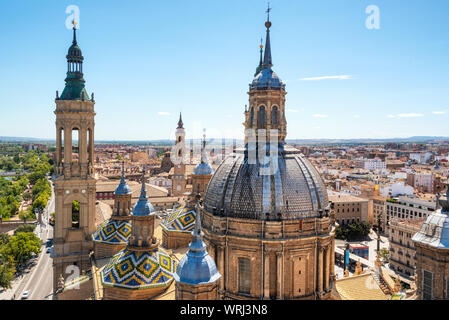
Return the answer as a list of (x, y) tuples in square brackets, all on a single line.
[(268, 11), (267, 62)]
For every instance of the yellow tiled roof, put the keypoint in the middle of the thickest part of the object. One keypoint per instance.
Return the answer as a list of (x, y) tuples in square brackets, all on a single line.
[(361, 287)]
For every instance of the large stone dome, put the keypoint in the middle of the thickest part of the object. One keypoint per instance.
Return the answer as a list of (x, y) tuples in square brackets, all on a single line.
[(295, 191)]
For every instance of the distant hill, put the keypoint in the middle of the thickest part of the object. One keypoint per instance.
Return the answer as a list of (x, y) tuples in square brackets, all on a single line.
[(415, 139), (165, 142), (24, 139)]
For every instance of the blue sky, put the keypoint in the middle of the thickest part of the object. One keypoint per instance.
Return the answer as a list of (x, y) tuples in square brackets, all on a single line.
[(148, 60)]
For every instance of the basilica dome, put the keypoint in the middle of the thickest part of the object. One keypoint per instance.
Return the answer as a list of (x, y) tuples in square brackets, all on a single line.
[(294, 191)]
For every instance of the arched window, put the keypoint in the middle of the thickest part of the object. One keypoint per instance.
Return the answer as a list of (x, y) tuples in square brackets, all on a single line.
[(274, 116), (145, 235), (75, 214), (75, 141), (251, 119), (60, 143), (244, 273), (261, 117), (90, 139)]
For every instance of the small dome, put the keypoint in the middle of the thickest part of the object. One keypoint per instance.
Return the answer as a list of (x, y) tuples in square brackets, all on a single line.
[(267, 78), (197, 266), (113, 232), (139, 270), (143, 207), (123, 188), (203, 168), (75, 51)]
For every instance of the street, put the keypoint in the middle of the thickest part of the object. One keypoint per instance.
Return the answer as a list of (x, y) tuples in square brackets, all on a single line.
[(39, 281)]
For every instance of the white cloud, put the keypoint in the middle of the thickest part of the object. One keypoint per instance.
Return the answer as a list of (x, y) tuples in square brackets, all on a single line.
[(356, 116), (405, 115), (342, 77), (292, 110), (163, 113), (317, 115), (440, 112)]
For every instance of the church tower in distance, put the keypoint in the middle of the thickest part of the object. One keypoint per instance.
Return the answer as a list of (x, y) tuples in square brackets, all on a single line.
[(179, 174), (74, 184)]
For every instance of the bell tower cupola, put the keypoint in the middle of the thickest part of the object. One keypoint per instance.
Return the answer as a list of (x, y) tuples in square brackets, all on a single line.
[(265, 117)]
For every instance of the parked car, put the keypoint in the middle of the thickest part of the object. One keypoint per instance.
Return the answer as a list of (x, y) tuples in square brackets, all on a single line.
[(25, 295)]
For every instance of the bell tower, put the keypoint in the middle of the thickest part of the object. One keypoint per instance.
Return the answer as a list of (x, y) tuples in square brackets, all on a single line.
[(179, 174), (75, 185), (266, 99)]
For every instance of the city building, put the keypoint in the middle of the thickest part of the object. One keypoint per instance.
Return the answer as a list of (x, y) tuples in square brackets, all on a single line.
[(372, 164), (139, 157), (379, 212), (404, 207), (402, 249), (424, 182), (348, 208)]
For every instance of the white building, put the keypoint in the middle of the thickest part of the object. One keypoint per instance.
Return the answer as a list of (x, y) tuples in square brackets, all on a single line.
[(420, 157), (396, 189), (372, 164), (405, 207)]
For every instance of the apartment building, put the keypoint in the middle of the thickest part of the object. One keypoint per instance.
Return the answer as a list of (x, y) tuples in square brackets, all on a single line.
[(402, 248)]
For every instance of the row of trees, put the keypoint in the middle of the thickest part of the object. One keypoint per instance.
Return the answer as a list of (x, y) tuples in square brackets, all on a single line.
[(12, 193), (353, 231), (15, 251)]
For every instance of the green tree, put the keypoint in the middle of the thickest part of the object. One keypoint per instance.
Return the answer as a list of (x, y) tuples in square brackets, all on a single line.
[(21, 247), (26, 215), (27, 196), (25, 228), (4, 238), (41, 201), (7, 271), (75, 211), (4, 212), (384, 255), (353, 231)]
